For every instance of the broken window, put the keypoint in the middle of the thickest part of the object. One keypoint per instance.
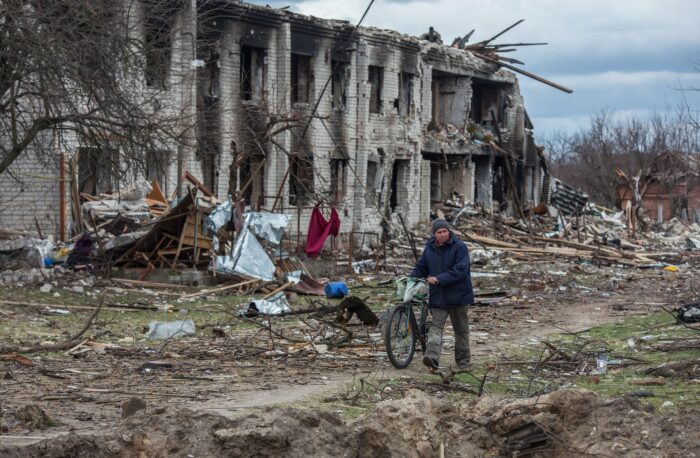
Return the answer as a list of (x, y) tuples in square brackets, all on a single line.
[(97, 170), (485, 109), (435, 182), (302, 78), (375, 178), (157, 44), (375, 79), (399, 184), (403, 103), (338, 175), (301, 179), (339, 84), (449, 99), (157, 167), (212, 70), (253, 62)]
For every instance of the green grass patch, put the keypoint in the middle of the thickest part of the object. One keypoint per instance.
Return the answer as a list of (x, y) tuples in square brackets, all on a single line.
[(631, 345)]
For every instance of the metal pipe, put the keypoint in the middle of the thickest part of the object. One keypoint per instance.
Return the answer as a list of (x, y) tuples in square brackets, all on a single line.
[(62, 199)]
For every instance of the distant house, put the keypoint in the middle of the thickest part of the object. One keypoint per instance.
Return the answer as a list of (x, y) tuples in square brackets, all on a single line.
[(672, 188)]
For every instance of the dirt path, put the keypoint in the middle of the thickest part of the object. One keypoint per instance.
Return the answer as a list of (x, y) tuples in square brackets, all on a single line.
[(85, 394), (575, 317)]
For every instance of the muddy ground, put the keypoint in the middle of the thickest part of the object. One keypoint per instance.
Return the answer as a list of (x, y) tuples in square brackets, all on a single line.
[(241, 388)]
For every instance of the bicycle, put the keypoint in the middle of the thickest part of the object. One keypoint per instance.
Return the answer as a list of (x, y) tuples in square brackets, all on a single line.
[(403, 330)]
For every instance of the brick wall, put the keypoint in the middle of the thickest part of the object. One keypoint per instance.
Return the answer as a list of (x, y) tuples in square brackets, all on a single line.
[(33, 193)]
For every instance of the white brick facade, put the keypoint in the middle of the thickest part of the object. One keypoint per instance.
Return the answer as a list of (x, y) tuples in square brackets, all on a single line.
[(352, 133)]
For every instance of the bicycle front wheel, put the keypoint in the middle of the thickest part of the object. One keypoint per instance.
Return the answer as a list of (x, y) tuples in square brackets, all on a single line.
[(400, 337)]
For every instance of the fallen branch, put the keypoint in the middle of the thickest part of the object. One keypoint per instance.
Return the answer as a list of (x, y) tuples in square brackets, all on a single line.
[(268, 327), (115, 307)]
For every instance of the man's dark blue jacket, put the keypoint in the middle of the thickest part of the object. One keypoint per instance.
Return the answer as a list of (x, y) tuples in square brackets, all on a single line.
[(450, 264)]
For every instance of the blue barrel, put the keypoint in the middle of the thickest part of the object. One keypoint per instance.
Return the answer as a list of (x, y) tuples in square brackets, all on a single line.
[(336, 290)]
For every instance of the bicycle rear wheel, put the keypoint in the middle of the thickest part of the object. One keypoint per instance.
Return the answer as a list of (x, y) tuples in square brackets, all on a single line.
[(400, 337)]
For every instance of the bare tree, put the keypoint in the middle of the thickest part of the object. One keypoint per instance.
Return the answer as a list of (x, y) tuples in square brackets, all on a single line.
[(614, 151), (95, 71)]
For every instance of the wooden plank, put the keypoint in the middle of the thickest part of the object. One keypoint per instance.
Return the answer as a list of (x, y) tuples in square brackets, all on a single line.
[(198, 184), (281, 288), (490, 241), (156, 196), (182, 236), (155, 250), (149, 284), (201, 242), (174, 251), (220, 290)]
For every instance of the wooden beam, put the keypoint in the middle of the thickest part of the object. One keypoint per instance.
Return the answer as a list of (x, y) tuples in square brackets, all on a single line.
[(524, 72)]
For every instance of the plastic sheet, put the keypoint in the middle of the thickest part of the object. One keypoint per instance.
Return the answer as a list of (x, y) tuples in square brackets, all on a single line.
[(294, 276), (276, 305), (166, 330), (38, 252), (218, 217), (247, 258), (268, 226)]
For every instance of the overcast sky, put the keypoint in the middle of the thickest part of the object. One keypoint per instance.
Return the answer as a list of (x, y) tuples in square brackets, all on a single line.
[(624, 56)]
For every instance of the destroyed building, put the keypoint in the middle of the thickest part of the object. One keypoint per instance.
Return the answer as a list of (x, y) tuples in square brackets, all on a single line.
[(395, 124), (671, 189)]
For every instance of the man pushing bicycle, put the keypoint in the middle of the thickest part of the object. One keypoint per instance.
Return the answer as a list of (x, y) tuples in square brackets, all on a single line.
[(445, 264)]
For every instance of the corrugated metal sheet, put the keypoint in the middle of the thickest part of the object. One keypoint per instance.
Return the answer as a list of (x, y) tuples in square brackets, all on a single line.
[(566, 199)]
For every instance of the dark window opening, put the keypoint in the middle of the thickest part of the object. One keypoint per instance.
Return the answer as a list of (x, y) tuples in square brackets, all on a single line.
[(302, 77), (301, 179), (371, 183), (253, 73), (213, 73), (338, 178), (97, 170), (482, 180), (403, 103), (158, 28), (339, 84), (157, 168), (376, 81), (399, 181), (435, 184), (499, 190), (375, 178), (485, 106), (435, 118)]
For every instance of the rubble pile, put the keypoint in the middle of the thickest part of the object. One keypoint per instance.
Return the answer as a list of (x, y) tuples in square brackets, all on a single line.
[(596, 235)]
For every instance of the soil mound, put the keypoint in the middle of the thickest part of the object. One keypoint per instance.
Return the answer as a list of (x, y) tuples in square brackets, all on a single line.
[(563, 423)]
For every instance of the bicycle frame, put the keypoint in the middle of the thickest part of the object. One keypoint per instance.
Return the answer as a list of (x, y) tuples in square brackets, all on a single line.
[(420, 327)]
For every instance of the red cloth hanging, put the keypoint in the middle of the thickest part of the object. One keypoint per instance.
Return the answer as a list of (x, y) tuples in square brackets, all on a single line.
[(319, 230)]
